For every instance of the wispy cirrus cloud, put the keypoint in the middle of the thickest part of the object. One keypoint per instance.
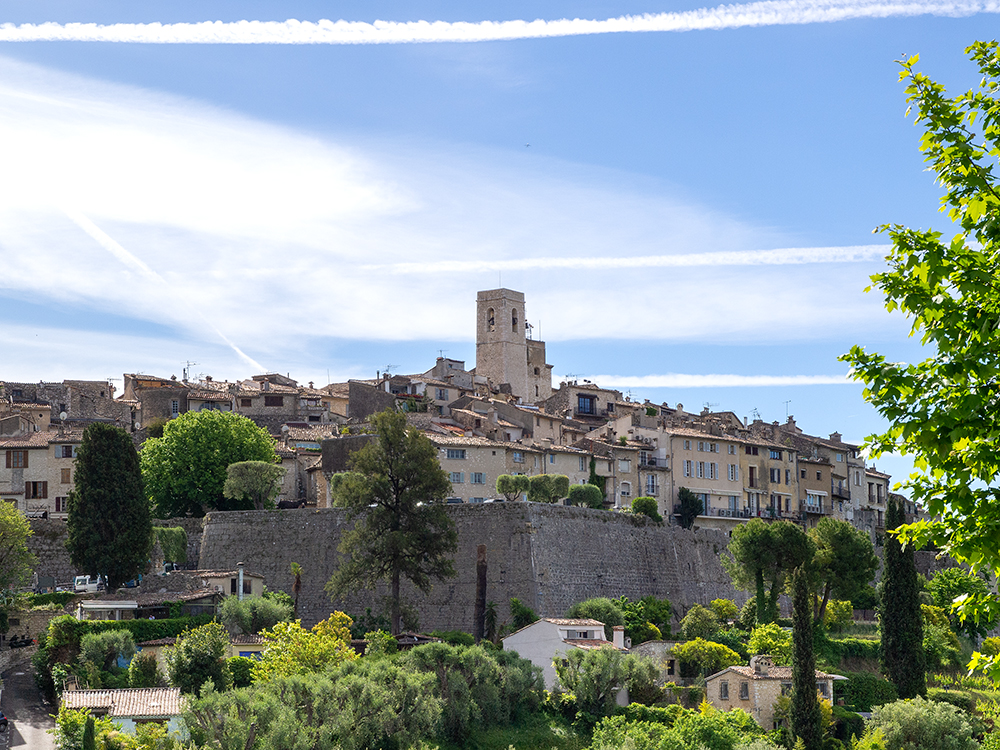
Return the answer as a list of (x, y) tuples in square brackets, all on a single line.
[(778, 257), (681, 380), (766, 13)]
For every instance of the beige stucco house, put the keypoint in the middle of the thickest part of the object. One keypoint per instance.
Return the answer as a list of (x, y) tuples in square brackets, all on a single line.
[(756, 688)]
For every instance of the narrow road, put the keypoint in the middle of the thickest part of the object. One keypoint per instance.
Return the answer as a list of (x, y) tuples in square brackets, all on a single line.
[(29, 716)]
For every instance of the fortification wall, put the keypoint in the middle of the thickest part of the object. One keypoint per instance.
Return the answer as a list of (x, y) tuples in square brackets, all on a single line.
[(548, 556)]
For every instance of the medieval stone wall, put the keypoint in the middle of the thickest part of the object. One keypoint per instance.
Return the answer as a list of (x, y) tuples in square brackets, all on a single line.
[(548, 556)]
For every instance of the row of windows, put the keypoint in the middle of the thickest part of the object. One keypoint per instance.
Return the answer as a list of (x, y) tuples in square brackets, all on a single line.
[(476, 477)]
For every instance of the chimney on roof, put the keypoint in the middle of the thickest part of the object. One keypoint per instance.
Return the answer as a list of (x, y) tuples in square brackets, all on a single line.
[(761, 664), (835, 437), (310, 385), (208, 378), (618, 636)]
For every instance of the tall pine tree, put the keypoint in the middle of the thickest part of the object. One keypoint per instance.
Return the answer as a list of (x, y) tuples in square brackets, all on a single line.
[(110, 531), (902, 648), (807, 720)]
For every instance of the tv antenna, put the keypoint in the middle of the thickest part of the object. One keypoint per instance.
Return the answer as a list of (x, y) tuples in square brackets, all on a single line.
[(387, 368), (786, 407), (754, 413), (441, 353), (187, 368), (709, 406)]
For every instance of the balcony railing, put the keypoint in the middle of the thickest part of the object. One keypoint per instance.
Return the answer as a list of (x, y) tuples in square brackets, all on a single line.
[(820, 509), (842, 492), (659, 463)]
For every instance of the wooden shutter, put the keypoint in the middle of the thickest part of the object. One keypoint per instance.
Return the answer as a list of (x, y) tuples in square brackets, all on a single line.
[(8, 459), (25, 454), (45, 490), (27, 490)]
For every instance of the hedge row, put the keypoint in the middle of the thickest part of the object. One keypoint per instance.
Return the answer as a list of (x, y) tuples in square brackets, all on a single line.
[(72, 630)]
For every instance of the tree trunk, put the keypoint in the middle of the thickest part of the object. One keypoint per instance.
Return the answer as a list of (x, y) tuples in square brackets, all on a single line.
[(397, 626)]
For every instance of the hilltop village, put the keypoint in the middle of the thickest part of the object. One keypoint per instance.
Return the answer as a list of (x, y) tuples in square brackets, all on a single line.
[(502, 416)]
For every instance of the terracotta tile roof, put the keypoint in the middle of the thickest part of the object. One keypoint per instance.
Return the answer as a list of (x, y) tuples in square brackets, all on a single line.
[(312, 433), (776, 673), (158, 642), (247, 640), (875, 473), (28, 440), (574, 622), (589, 644), (133, 702), (204, 395)]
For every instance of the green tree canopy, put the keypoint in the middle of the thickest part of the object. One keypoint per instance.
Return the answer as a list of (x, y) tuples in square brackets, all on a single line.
[(185, 470), (601, 609), (402, 530), (843, 565), (109, 529), (587, 495), (691, 507), (706, 657), (256, 483), (512, 486), (173, 543), (942, 410), (699, 622), (762, 555), (15, 560), (252, 614), (199, 656), (540, 488), (290, 649)]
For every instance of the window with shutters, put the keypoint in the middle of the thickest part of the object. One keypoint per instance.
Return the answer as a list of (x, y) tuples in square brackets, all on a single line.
[(457, 477), (477, 477), (274, 400), (17, 459), (36, 490), (61, 504)]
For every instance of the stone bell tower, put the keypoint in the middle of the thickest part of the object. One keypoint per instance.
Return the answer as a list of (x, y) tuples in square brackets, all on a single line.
[(504, 353)]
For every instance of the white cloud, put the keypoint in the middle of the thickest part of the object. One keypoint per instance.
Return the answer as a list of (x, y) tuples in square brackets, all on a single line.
[(680, 380), (225, 228), (767, 13)]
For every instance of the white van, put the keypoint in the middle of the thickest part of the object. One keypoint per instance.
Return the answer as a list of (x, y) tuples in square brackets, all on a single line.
[(87, 584)]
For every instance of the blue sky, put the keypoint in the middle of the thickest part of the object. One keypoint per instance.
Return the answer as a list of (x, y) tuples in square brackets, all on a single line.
[(688, 212)]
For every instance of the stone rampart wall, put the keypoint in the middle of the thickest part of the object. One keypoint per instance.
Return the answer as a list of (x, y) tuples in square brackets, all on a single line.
[(548, 556)]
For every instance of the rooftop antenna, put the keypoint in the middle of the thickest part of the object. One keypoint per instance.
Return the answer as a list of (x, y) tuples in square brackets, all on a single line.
[(441, 353), (709, 406), (754, 413), (389, 367), (187, 368), (786, 407)]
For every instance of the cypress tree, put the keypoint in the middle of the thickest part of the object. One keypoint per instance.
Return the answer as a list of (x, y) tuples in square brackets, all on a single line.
[(807, 720), (109, 526), (89, 741), (902, 647)]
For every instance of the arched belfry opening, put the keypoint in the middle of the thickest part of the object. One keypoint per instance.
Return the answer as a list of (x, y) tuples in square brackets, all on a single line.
[(513, 320), (491, 321)]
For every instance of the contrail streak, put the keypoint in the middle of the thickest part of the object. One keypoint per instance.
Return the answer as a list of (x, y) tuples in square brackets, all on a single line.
[(767, 13), (782, 257), (136, 264), (679, 380)]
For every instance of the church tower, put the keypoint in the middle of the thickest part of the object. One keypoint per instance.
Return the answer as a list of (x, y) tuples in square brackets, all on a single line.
[(504, 354)]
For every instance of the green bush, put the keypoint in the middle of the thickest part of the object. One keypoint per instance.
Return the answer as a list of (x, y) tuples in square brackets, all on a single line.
[(62, 598), (144, 671), (103, 649), (241, 668), (699, 622), (540, 489), (586, 495), (960, 700), (252, 614), (923, 725), (520, 615), (774, 640), (512, 486), (704, 657), (725, 609), (865, 690), (734, 639), (455, 637), (848, 725), (838, 615), (647, 506), (601, 609), (173, 543)]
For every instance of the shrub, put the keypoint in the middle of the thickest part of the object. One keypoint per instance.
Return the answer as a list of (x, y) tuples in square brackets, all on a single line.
[(699, 622), (540, 489), (144, 671), (774, 640), (587, 495), (520, 615), (704, 657), (647, 506), (512, 486), (595, 677), (725, 609), (60, 598), (748, 614), (865, 690), (928, 725), (252, 614), (199, 657), (838, 615), (735, 639), (380, 643), (848, 725), (960, 700), (241, 668), (559, 486), (455, 637), (601, 609), (103, 649)]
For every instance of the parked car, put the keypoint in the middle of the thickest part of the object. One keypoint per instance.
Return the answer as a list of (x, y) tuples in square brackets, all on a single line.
[(3, 722), (88, 584)]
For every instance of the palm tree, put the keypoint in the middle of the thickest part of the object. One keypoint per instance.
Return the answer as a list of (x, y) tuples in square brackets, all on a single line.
[(297, 586)]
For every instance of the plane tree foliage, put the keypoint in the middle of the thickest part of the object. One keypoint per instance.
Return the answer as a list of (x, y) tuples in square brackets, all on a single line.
[(943, 411), (255, 482), (185, 470), (762, 556), (512, 486)]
